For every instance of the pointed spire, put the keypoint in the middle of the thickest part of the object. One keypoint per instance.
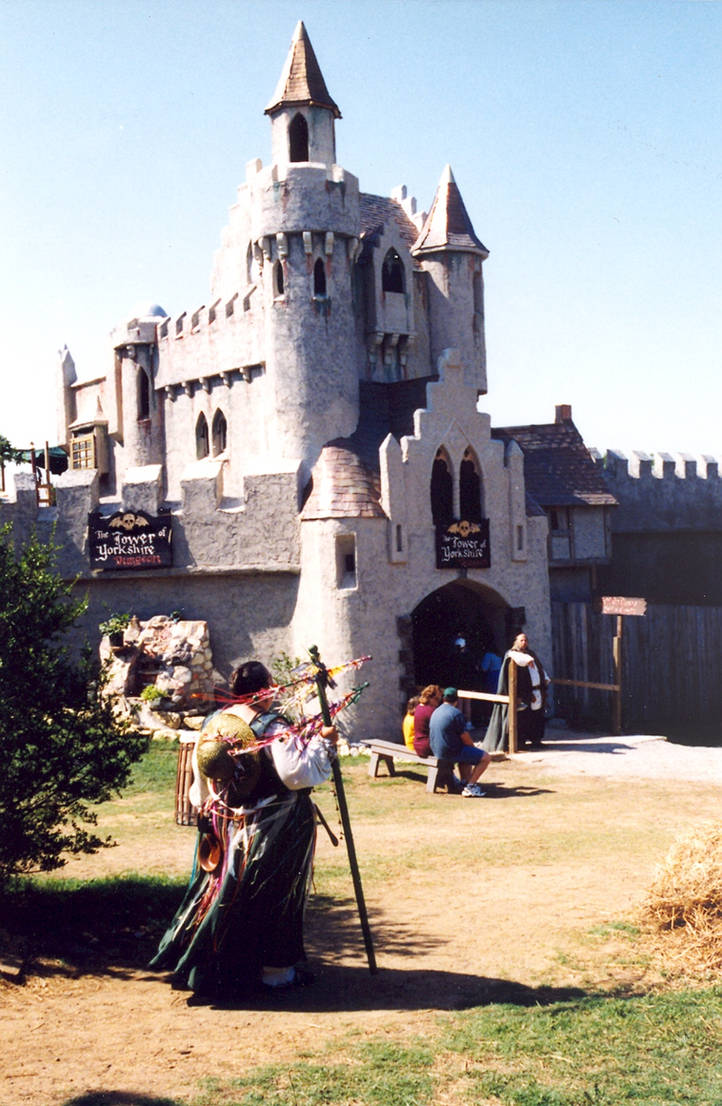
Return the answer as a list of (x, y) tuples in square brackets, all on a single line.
[(448, 226), (301, 81)]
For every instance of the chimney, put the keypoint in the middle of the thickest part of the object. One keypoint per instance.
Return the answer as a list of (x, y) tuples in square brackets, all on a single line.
[(563, 412)]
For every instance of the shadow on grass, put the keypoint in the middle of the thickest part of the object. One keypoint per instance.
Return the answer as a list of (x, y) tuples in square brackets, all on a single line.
[(493, 790), (103, 926), (120, 1098), (112, 927)]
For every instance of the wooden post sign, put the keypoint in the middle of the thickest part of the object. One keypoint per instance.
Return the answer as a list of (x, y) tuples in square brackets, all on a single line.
[(463, 544), (619, 605), (129, 540)]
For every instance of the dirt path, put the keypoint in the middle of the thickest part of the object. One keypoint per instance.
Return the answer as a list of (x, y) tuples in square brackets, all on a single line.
[(528, 882)]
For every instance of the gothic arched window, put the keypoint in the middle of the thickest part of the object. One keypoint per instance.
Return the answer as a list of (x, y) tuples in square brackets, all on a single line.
[(442, 490), (219, 432), (202, 447), (143, 395), (470, 505), (277, 279), (392, 273), (298, 139), (319, 278)]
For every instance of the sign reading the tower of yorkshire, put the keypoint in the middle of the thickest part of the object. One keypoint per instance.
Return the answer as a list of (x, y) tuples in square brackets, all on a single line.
[(129, 540), (463, 544)]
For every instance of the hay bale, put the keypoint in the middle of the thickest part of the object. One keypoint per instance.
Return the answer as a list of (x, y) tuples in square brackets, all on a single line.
[(683, 907)]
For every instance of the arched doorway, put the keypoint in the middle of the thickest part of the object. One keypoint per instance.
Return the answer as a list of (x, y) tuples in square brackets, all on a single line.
[(452, 628)]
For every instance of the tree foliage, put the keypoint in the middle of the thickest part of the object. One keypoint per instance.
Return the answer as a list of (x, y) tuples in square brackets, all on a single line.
[(8, 452), (62, 747)]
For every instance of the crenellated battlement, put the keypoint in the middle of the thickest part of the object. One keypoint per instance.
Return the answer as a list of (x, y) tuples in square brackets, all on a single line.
[(226, 336), (663, 491), (210, 532)]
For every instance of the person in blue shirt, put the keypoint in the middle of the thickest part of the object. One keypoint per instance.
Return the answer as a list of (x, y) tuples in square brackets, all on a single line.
[(450, 740)]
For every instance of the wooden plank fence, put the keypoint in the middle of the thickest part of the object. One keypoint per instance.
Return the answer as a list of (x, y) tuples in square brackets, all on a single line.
[(671, 660)]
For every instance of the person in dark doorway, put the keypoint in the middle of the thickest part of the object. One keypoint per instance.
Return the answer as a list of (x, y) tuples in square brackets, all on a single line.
[(240, 924), (490, 667), (450, 740), (531, 686), (464, 667), (429, 700)]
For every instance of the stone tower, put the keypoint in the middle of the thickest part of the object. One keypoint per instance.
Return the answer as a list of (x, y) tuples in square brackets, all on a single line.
[(304, 212)]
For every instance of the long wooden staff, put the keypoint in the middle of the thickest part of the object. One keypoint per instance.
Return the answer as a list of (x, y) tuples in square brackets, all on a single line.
[(323, 681)]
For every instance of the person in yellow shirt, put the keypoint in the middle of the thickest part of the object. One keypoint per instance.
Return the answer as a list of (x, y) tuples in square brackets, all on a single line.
[(407, 726)]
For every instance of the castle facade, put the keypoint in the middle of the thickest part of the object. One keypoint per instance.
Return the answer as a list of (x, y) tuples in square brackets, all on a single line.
[(310, 444)]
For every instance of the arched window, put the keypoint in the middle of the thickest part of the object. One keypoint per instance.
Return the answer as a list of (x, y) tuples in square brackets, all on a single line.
[(392, 273), (143, 394), (319, 278), (442, 490), (277, 279), (470, 507), (202, 448), (249, 264), (478, 296), (219, 432), (298, 139)]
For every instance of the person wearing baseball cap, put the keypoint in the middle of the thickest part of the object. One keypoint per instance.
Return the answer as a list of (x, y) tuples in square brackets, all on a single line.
[(450, 740)]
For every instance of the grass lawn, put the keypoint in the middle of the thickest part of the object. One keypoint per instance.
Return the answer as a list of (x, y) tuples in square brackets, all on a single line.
[(600, 1042)]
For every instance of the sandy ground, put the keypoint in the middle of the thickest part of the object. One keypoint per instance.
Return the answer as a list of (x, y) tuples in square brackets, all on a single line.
[(125, 1032), (640, 756)]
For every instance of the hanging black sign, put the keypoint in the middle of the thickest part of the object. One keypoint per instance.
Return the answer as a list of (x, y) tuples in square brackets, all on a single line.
[(463, 544), (129, 540)]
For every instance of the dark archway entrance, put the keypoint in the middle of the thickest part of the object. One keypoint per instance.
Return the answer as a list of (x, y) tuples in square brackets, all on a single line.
[(452, 628)]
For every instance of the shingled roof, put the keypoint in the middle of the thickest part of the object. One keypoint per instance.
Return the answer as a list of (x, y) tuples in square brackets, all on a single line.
[(378, 211), (346, 478), (448, 226), (558, 468), (301, 81)]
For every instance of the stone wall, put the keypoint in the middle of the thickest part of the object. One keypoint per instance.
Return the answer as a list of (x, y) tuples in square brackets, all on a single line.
[(667, 529), (172, 655)]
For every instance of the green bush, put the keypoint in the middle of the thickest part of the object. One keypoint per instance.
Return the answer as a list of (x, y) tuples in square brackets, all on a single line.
[(151, 693), (62, 747), (114, 623)]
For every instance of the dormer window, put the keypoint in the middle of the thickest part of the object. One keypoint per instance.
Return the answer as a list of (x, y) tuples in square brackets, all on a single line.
[(319, 278), (298, 139), (392, 273), (220, 433), (202, 445)]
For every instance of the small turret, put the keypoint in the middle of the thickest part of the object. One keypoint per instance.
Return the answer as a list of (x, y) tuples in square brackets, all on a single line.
[(450, 252), (301, 110), (67, 410), (135, 411)]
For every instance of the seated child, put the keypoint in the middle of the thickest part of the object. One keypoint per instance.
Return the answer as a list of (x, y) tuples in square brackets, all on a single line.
[(407, 726)]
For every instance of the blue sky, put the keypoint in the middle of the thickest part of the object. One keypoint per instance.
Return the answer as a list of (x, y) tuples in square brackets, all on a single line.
[(585, 136)]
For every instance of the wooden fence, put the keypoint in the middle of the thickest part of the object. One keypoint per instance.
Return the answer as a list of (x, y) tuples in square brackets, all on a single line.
[(671, 669)]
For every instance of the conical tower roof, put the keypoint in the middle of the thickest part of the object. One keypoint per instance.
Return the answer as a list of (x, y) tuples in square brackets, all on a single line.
[(301, 81), (448, 226)]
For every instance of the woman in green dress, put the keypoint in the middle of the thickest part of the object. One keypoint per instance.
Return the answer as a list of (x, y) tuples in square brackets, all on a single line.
[(240, 924)]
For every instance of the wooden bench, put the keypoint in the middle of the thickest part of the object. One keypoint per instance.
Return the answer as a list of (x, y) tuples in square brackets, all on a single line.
[(440, 773)]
